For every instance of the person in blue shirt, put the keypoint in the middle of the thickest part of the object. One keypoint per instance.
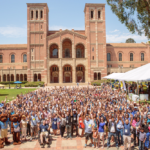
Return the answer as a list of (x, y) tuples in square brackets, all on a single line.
[(44, 131), (127, 134), (88, 130)]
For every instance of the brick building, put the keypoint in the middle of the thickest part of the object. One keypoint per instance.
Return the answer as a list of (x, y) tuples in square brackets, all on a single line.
[(68, 56)]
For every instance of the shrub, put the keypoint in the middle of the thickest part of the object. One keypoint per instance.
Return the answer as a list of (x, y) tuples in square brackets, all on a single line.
[(34, 84), (12, 82)]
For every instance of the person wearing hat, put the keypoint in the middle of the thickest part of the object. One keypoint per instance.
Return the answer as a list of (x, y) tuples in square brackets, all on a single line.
[(23, 126)]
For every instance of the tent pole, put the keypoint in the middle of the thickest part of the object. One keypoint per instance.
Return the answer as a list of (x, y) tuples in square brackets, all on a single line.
[(137, 88)]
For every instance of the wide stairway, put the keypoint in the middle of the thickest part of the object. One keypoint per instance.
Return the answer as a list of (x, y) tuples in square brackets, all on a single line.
[(66, 84)]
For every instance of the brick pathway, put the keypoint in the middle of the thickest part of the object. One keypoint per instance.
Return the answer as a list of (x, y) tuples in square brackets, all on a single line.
[(58, 143)]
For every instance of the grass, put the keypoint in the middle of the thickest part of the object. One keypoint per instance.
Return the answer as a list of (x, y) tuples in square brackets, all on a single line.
[(12, 93), (14, 85)]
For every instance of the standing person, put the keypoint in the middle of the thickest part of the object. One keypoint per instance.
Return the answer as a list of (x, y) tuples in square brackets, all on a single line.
[(62, 124), (81, 124), (74, 122), (28, 127), (68, 125), (23, 126), (147, 139), (95, 137), (120, 129), (127, 134), (54, 124), (101, 129), (142, 139), (33, 122), (112, 132), (88, 130), (134, 129)]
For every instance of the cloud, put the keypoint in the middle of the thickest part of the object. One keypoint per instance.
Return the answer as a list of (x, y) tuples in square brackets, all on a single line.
[(121, 37), (14, 32), (64, 28), (114, 31)]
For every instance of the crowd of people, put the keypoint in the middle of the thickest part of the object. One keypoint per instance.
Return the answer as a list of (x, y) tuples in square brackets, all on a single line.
[(96, 113)]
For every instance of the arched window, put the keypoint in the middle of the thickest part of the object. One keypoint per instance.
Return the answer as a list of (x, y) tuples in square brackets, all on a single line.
[(67, 53), (99, 14), (1, 58), (25, 58), (142, 56), (92, 14), (108, 57), (32, 14), (131, 56), (120, 57), (78, 53), (41, 14), (55, 53), (36, 14), (12, 58)]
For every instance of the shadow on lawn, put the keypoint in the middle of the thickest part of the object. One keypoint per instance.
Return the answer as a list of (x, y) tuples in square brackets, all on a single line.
[(4, 94)]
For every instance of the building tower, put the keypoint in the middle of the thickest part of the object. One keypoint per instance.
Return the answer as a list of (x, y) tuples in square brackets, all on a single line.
[(37, 28), (95, 31)]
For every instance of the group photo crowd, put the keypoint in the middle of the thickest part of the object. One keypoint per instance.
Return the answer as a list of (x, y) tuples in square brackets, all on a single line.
[(101, 115)]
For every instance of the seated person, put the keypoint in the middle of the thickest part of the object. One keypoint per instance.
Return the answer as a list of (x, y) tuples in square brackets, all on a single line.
[(44, 131)]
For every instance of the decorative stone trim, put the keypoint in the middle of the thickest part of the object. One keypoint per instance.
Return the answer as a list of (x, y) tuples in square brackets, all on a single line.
[(37, 32), (100, 61), (65, 32), (96, 20), (131, 62), (13, 48), (36, 44)]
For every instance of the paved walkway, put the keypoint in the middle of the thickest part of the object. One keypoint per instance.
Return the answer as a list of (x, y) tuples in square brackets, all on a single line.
[(58, 143)]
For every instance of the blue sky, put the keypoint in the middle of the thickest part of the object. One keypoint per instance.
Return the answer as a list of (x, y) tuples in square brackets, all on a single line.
[(63, 14)]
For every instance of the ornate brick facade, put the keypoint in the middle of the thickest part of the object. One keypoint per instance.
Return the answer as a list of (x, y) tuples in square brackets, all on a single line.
[(68, 55)]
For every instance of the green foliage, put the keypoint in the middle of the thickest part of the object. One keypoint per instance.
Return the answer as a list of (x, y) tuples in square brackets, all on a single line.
[(135, 14), (98, 82), (130, 40), (12, 93), (12, 82), (34, 84)]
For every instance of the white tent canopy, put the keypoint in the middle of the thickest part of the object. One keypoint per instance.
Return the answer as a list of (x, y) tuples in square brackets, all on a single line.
[(113, 76), (139, 74)]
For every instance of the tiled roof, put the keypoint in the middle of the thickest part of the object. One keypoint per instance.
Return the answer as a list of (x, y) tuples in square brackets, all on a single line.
[(126, 45)]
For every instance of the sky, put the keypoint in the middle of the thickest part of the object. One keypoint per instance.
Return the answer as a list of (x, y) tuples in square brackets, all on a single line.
[(63, 14)]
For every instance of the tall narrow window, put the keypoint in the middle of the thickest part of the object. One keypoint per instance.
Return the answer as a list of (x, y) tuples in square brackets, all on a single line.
[(120, 57), (41, 37), (131, 56), (1, 58), (25, 58), (78, 53), (108, 57), (142, 56), (67, 53), (92, 14), (12, 58), (36, 14), (99, 14), (41, 14), (32, 14), (55, 53), (93, 57), (93, 49)]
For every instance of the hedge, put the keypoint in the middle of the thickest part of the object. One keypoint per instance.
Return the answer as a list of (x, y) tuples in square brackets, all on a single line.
[(34, 84), (12, 82)]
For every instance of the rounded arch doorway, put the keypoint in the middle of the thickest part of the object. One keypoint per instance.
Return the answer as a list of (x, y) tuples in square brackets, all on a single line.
[(80, 73), (67, 74), (54, 74)]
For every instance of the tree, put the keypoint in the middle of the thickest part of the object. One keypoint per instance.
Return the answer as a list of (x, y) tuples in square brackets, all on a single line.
[(130, 40), (135, 14)]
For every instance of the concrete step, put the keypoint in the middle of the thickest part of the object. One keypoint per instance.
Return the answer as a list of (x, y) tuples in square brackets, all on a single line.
[(65, 84)]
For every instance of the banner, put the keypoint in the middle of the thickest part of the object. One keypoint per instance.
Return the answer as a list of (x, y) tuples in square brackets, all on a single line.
[(122, 85)]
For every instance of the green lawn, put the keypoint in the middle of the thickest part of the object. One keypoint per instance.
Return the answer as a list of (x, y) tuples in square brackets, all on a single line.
[(12, 93), (14, 85)]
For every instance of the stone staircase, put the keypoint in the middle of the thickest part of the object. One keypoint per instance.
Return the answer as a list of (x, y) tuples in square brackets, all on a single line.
[(66, 84)]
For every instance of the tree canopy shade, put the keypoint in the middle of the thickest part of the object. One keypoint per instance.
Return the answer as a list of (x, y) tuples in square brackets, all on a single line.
[(135, 14), (130, 40)]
